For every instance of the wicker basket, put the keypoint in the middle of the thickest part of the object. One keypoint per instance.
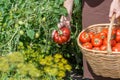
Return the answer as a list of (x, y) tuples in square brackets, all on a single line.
[(103, 63)]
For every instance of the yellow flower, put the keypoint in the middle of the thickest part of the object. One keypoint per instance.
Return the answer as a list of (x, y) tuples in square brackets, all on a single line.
[(61, 74), (49, 60), (68, 67), (54, 66), (56, 60), (58, 56), (47, 69), (42, 61), (34, 72), (61, 66), (53, 71), (64, 61)]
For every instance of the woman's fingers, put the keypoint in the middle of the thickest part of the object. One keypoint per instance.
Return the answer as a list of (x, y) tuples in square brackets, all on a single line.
[(64, 21)]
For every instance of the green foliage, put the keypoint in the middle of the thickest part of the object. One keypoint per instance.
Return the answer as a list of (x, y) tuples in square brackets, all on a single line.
[(28, 17), (26, 27)]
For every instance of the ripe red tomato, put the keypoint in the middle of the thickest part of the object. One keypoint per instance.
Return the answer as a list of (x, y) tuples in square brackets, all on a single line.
[(117, 38), (87, 45), (118, 32), (84, 37), (113, 42), (91, 34), (96, 41), (116, 49), (61, 36), (117, 45), (102, 35), (96, 48), (103, 47), (105, 30), (114, 31), (105, 41)]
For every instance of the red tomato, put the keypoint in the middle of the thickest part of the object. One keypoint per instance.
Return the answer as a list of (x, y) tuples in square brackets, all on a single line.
[(114, 31), (96, 41), (117, 38), (103, 47), (117, 45), (97, 35), (105, 41), (62, 36), (96, 48), (105, 30), (102, 35), (116, 49), (118, 32), (91, 34), (87, 45), (84, 37), (113, 42)]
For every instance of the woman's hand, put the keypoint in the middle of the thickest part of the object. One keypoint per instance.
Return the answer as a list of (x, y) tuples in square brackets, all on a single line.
[(115, 8), (64, 21)]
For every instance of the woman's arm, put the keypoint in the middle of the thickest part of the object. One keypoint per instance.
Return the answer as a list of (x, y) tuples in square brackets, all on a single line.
[(68, 4), (115, 8)]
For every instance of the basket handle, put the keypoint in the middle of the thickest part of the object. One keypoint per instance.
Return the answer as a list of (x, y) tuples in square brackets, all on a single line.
[(109, 34)]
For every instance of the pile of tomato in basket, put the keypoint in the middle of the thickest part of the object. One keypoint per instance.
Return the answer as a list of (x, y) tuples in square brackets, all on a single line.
[(98, 41)]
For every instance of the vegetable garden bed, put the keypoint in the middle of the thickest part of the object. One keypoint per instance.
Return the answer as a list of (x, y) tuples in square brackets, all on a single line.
[(26, 48)]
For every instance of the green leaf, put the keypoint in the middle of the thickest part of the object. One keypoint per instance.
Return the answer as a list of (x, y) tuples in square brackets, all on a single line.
[(30, 34), (77, 2)]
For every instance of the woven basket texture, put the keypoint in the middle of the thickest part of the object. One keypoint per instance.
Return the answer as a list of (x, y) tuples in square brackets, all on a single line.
[(101, 62)]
